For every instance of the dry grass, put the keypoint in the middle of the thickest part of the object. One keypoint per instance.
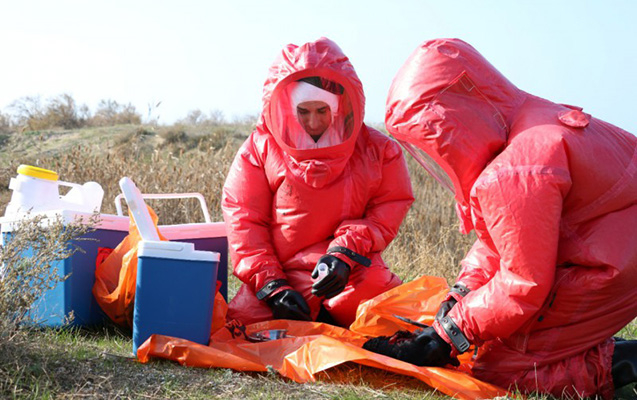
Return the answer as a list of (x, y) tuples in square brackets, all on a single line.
[(429, 241)]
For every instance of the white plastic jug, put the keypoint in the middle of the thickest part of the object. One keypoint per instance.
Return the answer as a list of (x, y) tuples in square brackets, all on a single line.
[(37, 189)]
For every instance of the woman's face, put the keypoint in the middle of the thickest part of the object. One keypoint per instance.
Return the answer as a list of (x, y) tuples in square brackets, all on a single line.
[(315, 117)]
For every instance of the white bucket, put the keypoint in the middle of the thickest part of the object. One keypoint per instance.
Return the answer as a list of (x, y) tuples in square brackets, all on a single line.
[(37, 189)]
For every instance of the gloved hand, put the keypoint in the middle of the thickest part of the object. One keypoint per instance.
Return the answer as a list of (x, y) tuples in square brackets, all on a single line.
[(422, 348), (334, 282), (445, 307), (289, 304)]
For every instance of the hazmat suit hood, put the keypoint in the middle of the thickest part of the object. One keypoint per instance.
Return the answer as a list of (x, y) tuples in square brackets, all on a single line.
[(316, 164), (451, 109)]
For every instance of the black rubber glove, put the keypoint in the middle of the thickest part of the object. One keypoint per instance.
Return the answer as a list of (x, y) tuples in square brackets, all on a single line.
[(426, 348), (445, 307), (624, 367), (334, 282), (289, 304)]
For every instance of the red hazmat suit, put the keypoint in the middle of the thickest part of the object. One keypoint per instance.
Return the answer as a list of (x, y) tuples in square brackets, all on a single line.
[(285, 204), (552, 195)]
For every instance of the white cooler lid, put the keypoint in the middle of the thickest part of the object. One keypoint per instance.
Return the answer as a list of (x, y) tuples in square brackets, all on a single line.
[(175, 251)]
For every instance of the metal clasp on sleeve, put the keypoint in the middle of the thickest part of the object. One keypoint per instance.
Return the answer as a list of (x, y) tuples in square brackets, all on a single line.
[(461, 289), (459, 340), (362, 260), (270, 287)]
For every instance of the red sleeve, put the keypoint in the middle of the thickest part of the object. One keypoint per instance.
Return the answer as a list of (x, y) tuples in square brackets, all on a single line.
[(522, 208), (247, 206), (385, 210), (479, 266)]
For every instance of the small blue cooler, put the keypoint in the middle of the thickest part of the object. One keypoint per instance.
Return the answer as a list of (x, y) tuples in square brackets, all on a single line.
[(175, 291)]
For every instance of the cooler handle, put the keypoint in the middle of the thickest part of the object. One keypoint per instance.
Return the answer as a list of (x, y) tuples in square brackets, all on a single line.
[(198, 196)]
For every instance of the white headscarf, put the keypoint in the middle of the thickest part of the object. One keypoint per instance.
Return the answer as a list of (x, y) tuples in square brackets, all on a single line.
[(300, 92)]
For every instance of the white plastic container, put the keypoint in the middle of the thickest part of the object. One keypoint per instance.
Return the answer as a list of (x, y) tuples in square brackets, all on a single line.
[(37, 190)]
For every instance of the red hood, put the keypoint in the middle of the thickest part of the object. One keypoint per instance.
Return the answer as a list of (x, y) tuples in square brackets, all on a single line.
[(452, 103), (325, 59)]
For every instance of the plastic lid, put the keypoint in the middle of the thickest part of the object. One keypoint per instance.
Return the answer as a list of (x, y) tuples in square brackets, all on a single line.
[(138, 209), (183, 251), (37, 172)]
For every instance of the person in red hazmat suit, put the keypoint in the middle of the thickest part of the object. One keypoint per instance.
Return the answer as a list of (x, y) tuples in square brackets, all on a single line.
[(552, 195), (313, 185)]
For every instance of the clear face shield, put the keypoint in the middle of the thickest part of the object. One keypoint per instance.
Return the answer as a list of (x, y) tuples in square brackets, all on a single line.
[(313, 113), (438, 173), (430, 165)]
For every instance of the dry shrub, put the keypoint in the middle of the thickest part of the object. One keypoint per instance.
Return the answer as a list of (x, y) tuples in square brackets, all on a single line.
[(181, 138), (110, 112), (5, 124), (246, 120), (4, 139), (27, 111), (199, 118), (62, 112), (59, 112), (139, 138), (174, 136), (26, 259)]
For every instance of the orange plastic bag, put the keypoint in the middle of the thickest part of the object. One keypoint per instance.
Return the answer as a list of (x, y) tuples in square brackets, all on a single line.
[(219, 311), (417, 300), (314, 347), (116, 277)]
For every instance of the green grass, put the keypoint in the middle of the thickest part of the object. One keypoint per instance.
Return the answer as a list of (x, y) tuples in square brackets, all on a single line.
[(629, 331), (78, 363)]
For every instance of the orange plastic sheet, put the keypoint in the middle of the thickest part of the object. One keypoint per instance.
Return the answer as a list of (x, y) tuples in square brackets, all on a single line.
[(314, 347), (417, 300), (116, 277)]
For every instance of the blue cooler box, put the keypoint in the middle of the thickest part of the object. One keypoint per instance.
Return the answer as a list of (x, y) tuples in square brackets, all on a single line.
[(175, 292), (75, 293)]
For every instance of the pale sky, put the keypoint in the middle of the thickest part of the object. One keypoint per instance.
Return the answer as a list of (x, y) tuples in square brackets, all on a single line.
[(207, 55)]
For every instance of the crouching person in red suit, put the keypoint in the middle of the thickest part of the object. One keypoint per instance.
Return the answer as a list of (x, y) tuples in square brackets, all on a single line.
[(313, 185), (552, 195)]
